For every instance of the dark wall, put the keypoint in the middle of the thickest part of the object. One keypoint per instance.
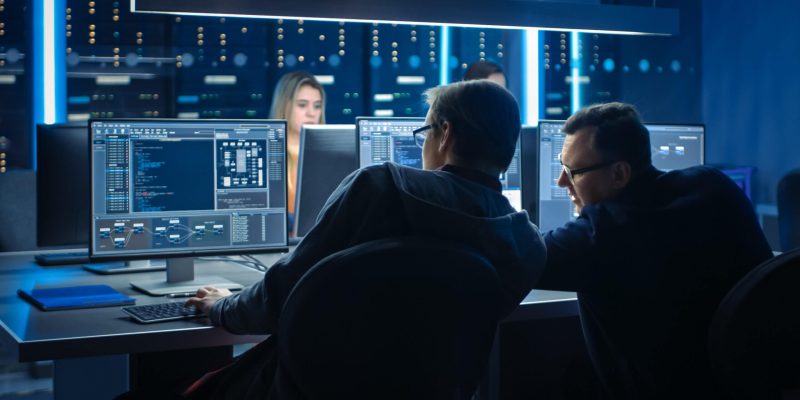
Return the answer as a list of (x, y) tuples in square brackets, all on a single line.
[(751, 89), (664, 73)]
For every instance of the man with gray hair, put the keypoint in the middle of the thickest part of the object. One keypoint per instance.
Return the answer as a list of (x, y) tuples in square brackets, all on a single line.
[(468, 140)]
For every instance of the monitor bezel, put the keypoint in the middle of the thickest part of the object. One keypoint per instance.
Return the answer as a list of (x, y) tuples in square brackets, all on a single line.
[(358, 130), (301, 151), (529, 171), (93, 257)]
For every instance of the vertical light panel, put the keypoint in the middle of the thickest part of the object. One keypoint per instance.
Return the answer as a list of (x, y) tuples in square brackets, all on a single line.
[(530, 46), (49, 65), (48, 60), (576, 72), (444, 56)]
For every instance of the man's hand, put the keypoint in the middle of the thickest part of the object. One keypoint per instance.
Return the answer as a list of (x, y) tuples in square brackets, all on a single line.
[(206, 297)]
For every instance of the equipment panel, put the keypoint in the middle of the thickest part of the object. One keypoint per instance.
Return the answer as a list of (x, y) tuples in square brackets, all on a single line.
[(117, 62), (15, 86)]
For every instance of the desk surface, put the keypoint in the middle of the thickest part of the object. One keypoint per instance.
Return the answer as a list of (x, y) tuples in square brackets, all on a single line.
[(35, 335), (45, 335)]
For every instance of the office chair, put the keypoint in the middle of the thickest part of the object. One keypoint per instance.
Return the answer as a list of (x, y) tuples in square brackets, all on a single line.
[(789, 210), (401, 318), (754, 338)]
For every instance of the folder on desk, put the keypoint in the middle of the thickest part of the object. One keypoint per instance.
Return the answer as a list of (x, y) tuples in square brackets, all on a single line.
[(72, 297)]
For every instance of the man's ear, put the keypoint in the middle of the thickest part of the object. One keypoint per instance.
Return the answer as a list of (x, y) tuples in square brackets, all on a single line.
[(446, 141), (622, 174)]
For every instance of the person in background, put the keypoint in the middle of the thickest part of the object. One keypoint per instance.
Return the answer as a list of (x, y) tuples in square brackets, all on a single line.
[(486, 70), (651, 255), (300, 100)]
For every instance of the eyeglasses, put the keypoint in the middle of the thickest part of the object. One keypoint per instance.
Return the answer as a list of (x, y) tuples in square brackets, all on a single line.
[(421, 133), (572, 173)]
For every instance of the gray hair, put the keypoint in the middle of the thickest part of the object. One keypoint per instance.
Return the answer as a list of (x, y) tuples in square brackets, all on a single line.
[(485, 119)]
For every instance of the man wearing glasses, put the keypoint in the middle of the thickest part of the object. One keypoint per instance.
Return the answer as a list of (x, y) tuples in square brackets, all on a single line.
[(470, 138), (651, 255)]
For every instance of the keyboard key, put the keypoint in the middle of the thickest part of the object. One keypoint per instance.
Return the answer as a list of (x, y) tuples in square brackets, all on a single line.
[(162, 312)]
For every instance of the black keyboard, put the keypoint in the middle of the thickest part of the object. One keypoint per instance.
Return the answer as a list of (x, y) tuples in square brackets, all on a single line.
[(162, 312)]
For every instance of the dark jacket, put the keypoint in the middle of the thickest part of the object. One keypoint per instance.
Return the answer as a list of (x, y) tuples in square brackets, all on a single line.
[(391, 200), (650, 267)]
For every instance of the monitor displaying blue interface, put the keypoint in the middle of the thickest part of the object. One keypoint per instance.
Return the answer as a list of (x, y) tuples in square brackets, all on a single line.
[(186, 187), (672, 147), (383, 140)]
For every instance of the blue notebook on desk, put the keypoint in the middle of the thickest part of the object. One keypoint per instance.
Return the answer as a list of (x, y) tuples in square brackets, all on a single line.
[(65, 298)]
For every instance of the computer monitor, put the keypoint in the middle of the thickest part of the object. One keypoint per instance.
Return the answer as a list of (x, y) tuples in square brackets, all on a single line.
[(391, 139), (555, 207), (388, 139), (519, 181), (673, 146), (528, 163), (676, 146), (511, 180), (177, 189), (327, 156), (61, 185)]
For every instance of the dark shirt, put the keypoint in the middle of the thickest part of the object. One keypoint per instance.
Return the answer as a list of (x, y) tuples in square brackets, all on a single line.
[(650, 267), (390, 200), (492, 182)]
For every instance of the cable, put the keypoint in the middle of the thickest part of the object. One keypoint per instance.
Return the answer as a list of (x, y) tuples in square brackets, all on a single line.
[(255, 260), (250, 262)]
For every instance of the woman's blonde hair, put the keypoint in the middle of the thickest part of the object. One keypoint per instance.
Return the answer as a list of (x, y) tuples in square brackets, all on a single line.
[(286, 91)]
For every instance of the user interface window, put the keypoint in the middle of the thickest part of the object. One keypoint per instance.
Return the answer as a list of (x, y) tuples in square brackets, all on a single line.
[(389, 139), (187, 186), (676, 146)]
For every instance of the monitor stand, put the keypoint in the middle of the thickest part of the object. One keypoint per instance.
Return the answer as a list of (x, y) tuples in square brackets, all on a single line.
[(181, 280), (126, 267)]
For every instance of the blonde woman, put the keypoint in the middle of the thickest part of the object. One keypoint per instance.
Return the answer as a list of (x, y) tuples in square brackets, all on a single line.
[(300, 100)]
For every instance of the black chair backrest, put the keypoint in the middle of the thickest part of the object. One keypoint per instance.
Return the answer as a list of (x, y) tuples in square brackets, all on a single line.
[(789, 210), (403, 318), (754, 339)]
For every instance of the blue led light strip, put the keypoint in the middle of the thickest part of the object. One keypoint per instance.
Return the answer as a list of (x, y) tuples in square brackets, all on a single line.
[(575, 72), (444, 56), (49, 65), (530, 59)]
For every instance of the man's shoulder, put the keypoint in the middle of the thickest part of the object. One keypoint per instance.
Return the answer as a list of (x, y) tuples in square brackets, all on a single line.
[(700, 179), (400, 174), (376, 178), (372, 173), (698, 172)]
